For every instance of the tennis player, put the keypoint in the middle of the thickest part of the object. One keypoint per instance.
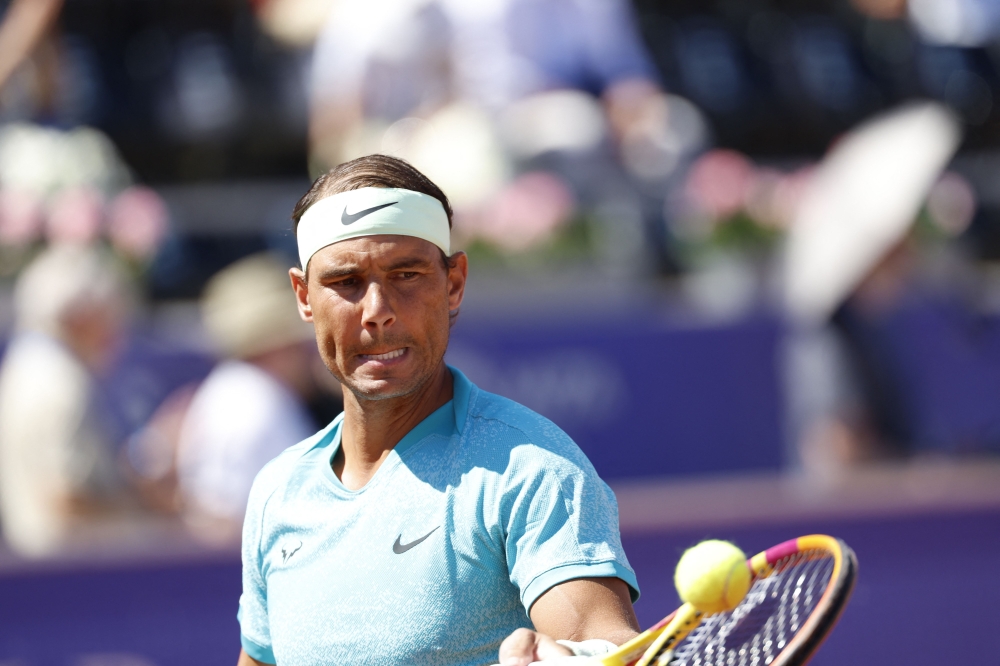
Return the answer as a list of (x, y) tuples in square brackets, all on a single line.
[(432, 522)]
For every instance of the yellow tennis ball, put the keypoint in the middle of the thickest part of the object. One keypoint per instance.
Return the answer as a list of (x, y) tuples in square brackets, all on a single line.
[(713, 576)]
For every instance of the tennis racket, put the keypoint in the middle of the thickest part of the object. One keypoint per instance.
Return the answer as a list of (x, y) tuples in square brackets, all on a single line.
[(798, 591)]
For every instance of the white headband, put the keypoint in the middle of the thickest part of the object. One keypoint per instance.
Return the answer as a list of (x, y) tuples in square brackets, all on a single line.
[(371, 211)]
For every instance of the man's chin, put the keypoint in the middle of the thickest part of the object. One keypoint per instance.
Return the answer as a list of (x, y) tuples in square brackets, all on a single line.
[(381, 389), (371, 382)]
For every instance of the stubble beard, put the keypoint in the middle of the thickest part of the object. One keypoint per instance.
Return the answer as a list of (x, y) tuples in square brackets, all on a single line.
[(376, 395), (411, 385)]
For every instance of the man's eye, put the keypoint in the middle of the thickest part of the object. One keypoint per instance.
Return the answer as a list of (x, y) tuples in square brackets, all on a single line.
[(346, 282), (407, 275)]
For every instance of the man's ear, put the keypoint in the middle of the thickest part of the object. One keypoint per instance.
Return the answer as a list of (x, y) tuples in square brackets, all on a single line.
[(301, 288), (458, 273)]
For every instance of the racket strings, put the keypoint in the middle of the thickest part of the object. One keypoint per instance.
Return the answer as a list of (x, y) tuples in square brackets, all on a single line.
[(773, 611)]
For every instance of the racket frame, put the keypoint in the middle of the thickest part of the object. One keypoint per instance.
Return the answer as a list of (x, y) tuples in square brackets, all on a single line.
[(671, 630), (828, 609)]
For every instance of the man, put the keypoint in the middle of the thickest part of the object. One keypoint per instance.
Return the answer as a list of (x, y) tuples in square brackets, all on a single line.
[(252, 406), (432, 519), (60, 488)]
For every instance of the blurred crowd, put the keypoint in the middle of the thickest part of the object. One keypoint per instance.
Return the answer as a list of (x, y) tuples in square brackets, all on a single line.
[(671, 145), (73, 465)]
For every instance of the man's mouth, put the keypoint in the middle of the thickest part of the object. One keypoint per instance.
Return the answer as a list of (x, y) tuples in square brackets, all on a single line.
[(395, 353)]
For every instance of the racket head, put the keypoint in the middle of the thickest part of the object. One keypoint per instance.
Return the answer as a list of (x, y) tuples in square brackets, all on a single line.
[(798, 591)]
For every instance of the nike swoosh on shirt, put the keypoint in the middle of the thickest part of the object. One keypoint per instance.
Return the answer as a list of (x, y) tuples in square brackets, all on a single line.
[(400, 548), (347, 219)]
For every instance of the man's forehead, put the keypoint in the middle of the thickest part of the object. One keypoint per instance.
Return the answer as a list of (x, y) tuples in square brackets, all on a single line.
[(380, 249)]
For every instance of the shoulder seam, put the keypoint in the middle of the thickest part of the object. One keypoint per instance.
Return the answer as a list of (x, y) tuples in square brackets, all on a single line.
[(529, 439), (479, 416)]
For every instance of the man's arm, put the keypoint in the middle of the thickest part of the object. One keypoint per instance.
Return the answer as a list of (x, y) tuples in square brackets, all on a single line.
[(22, 30), (576, 610)]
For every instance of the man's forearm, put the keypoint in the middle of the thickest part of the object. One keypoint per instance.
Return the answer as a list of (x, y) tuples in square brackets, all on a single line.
[(577, 610), (587, 608)]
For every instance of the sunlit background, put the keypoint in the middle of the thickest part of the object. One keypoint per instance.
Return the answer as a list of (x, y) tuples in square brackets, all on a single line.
[(745, 252)]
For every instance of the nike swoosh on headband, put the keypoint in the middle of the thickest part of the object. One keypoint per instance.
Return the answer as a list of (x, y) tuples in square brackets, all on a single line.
[(347, 219)]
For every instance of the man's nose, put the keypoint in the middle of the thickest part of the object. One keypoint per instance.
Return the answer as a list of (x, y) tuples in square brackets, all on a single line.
[(377, 312)]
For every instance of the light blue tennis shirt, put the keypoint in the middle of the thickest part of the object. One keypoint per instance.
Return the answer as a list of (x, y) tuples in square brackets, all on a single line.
[(477, 511)]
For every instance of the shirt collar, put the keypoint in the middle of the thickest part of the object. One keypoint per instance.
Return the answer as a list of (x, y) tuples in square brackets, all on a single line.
[(446, 420), (460, 400)]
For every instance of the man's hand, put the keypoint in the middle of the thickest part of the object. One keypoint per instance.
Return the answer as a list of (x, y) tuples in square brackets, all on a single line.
[(525, 646), (576, 610)]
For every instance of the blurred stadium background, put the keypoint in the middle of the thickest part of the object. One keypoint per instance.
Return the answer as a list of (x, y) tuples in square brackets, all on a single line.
[(681, 252)]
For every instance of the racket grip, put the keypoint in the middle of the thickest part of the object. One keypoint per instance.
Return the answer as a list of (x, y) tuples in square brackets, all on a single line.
[(630, 651)]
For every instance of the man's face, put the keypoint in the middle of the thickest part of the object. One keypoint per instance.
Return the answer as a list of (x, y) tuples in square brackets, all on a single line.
[(380, 305)]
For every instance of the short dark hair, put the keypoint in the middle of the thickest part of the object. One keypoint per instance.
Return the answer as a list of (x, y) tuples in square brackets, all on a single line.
[(369, 171), (374, 171)]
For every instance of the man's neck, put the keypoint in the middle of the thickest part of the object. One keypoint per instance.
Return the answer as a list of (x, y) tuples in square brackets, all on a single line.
[(372, 428)]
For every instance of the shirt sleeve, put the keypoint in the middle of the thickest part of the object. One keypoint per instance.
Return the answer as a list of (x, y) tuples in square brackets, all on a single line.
[(561, 522), (255, 633)]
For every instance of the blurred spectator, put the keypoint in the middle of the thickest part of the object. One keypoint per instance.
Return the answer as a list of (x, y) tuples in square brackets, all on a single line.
[(410, 57), (849, 267), (25, 33), (58, 472), (295, 23), (253, 405), (956, 22), (477, 96)]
